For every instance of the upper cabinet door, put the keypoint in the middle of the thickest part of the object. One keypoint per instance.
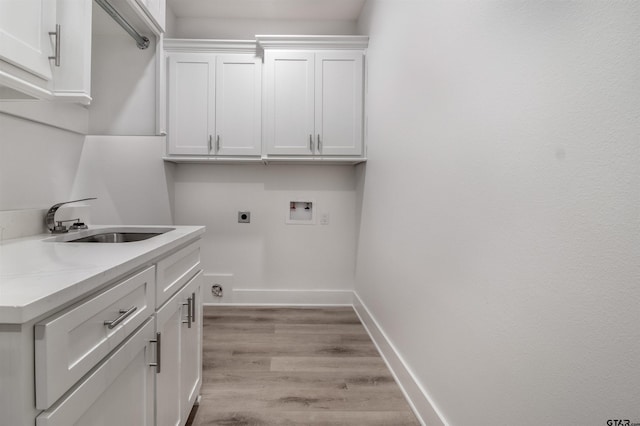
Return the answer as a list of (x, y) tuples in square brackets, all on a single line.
[(192, 104), (338, 103), (24, 35), (238, 105), (289, 90)]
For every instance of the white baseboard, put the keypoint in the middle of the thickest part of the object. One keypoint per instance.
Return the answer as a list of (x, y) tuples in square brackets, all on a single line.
[(292, 297), (418, 398)]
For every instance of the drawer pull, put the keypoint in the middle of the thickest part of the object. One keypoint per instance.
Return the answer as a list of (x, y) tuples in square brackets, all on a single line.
[(123, 315), (158, 342), (189, 312)]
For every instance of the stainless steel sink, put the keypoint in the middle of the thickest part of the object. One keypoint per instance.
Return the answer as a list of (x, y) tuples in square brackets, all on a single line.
[(121, 234), (116, 237)]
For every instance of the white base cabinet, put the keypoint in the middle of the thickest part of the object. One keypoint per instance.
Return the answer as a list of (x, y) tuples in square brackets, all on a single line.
[(130, 353), (179, 327), (119, 392)]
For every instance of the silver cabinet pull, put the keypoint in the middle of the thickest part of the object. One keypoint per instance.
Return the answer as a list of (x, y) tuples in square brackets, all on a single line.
[(311, 143), (189, 312), (158, 342), (217, 143), (123, 315), (210, 143), (193, 307), (319, 144), (56, 54)]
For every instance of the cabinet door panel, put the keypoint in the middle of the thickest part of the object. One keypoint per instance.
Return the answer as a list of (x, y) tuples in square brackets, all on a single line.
[(192, 104), (191, 346), (118, 392), (289, 102), (72, 79), (24, 34), (339, 86), (167, 380), (238, 105)]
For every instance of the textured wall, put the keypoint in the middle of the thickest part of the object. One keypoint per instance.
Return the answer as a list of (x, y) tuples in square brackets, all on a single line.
[(500, 239)]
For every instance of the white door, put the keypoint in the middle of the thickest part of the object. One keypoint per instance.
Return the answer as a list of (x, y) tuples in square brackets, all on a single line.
[(238, 105), (191, 104), (191, 346), (338, 103), (289, 87), (24, 34)]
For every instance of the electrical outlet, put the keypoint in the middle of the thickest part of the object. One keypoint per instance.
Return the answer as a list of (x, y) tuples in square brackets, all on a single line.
[(324, 219), (244, 217)]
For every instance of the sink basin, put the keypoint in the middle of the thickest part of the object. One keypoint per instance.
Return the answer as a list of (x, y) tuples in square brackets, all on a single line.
[(115, 237), (120, 234)]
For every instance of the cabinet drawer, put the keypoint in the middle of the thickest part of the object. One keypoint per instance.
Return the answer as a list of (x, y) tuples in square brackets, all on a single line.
[(174, 271), (118, 392), (72, 342)]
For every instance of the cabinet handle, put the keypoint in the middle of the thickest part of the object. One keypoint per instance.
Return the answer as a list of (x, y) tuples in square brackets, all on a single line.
[(56, 55), (210, 143), (158, 342), (193, 307), (189, 312), (124, 313), (319, 144), (217, 143), (311, 143)]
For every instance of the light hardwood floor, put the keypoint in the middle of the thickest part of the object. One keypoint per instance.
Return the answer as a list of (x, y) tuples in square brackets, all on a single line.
[(294, 366)]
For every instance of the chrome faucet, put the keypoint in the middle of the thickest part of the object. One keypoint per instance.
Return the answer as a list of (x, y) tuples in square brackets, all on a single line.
[(57, 227)]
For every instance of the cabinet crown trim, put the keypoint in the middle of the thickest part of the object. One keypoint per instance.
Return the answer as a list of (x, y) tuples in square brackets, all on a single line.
[(312, 42), (209, 46)]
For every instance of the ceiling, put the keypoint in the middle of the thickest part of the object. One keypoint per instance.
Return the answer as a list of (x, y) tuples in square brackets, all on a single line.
[(311, 10)]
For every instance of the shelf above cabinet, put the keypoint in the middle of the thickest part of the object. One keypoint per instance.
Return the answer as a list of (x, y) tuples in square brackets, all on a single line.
[(345, 161)]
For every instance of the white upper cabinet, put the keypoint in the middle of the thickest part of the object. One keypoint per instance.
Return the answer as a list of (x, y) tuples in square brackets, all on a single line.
[(338, 103), (24, 35), (45, 49), (306, 104), (191, 102), (314, 96), (213, 102), (289, 104), (238, 109)]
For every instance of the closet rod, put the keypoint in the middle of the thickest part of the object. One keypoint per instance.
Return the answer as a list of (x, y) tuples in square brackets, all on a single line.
[(141, 41)]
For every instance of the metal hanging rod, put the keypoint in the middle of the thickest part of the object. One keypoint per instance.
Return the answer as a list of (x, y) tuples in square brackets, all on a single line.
[(141, 41)]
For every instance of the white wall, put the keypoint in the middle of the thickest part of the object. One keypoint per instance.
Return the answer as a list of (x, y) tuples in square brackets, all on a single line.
[(38, 164), (242, 29), (267, 254), (123, 81), (127, 175), (500, 206)]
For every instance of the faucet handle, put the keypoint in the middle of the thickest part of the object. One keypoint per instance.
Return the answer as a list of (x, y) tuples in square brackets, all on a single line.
[(78, 225), (59, 228)]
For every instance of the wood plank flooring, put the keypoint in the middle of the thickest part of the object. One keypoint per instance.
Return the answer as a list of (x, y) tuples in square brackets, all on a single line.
[(294, 366)]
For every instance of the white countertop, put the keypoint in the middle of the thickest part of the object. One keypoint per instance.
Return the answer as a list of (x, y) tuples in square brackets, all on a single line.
[(39, 276)]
